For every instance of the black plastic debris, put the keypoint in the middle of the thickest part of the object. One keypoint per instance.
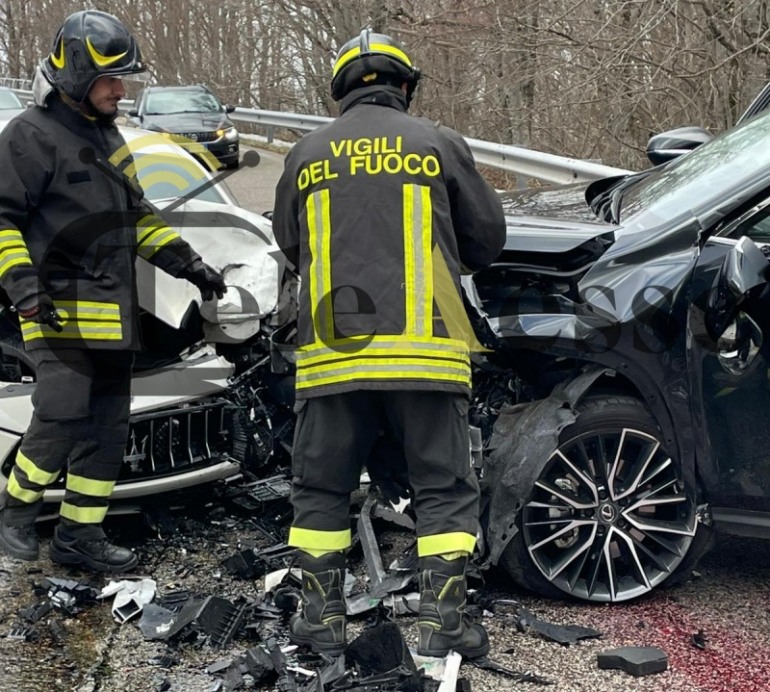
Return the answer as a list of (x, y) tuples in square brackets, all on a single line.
[(173, 600), (216, 617), (634, 660), (259, 664), (70, 596), (699, 640), (487, 664), (164, 661), (58, 631), (219, 666), (156, 622), (562, 634), (245, 565), (286, 681), (36, 611), (380, 649)]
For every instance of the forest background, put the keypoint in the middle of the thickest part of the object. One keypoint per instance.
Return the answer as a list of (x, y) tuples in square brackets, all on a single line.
[(592, 79)]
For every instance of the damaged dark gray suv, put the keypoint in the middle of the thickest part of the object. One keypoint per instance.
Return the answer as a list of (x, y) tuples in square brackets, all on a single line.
[(624, 399)]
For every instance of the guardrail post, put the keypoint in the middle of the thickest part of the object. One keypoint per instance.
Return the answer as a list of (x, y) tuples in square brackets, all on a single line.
[(270, 134)]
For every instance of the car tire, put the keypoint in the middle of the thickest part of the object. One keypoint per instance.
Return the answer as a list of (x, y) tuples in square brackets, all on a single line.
[(577, 541)]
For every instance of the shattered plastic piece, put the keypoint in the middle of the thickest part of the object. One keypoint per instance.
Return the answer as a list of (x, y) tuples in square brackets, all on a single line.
[(130, 597), (245, 565), (58, 631), (220, 619), (369, 543), (562, 634), (463, 685), (21, 633), (393, 516), (361, 603), (286, 682), (219, 666), (233, 678), (156, 622), (34, 612), (174, 600), (452, 663), (380, 649), (699, 640), (164, 661), (487, 664), (403, 604), (259, 663), (70, 596), (274, 579), (634, 660)]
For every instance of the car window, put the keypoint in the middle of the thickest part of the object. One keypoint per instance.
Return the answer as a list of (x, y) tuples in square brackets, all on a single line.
[(9, 100), (728, 160), (756, 226), (168, 102)]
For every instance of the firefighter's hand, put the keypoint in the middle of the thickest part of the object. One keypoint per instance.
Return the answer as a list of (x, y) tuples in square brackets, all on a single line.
[(42, 311), (208, 280)]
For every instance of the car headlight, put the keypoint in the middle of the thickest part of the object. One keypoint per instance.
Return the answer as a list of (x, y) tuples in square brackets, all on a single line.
[(229, 133)]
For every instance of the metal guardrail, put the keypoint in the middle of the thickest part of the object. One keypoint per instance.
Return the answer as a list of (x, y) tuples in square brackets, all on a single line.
[(519, 160)]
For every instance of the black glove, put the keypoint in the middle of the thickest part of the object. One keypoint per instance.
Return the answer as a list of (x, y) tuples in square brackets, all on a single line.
[(207, 279), (41, 310)]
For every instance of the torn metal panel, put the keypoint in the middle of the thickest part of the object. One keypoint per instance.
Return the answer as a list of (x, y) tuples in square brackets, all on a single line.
[(369, 543), (523, 439)]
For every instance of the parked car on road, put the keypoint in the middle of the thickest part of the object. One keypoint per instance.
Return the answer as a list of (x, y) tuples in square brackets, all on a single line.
[(192, 115), (10, 104)]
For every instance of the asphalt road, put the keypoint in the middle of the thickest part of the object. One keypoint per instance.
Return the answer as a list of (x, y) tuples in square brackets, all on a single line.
[(253, 184)]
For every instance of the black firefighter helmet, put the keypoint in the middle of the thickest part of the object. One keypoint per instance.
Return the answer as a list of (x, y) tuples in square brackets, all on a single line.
[(89, 45), (369, 59)]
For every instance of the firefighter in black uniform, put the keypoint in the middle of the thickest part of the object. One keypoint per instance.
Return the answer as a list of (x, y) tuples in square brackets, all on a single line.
[(380, 212), (71, 226)]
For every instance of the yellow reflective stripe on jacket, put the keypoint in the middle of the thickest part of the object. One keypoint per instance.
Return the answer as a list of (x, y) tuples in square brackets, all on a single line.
[(356, 371), (319, 236), (152, 233), (389, 343), (35, 474), (22, 494), (418, 266), (310, 539), (89, 486), (83, 515), (441, 543), (13, 251), (81, 319)]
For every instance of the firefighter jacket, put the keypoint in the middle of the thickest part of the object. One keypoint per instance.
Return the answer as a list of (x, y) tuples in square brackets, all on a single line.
[(379, 211), (71, 225)]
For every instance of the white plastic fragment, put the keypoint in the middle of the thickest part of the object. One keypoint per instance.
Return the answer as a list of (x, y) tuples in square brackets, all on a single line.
[(273, 579), (130, 597)]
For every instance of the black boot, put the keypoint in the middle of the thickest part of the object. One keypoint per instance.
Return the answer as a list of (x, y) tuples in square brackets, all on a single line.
[(321, 624), (95, 553), (441, 621), (17, 528)]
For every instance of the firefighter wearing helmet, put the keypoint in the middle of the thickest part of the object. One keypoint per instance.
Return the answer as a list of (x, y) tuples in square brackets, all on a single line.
[(380, 212), (71, 226)]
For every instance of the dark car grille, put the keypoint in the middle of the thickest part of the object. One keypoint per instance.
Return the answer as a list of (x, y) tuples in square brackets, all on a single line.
[(200, 136)]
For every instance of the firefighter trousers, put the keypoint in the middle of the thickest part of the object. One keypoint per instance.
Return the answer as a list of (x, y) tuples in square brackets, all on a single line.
[(334, 439), (79, 425)]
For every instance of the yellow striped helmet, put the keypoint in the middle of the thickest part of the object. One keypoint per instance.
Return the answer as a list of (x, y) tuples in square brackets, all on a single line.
[(369, 59), (90, 45)]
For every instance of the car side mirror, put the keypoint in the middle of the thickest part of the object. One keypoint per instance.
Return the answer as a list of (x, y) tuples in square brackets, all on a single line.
[(229, 108), (743, 269), (672, 144), (739, 345), (133, 113)]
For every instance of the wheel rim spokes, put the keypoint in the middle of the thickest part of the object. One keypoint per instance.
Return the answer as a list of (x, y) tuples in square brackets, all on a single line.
[(608, 519)]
